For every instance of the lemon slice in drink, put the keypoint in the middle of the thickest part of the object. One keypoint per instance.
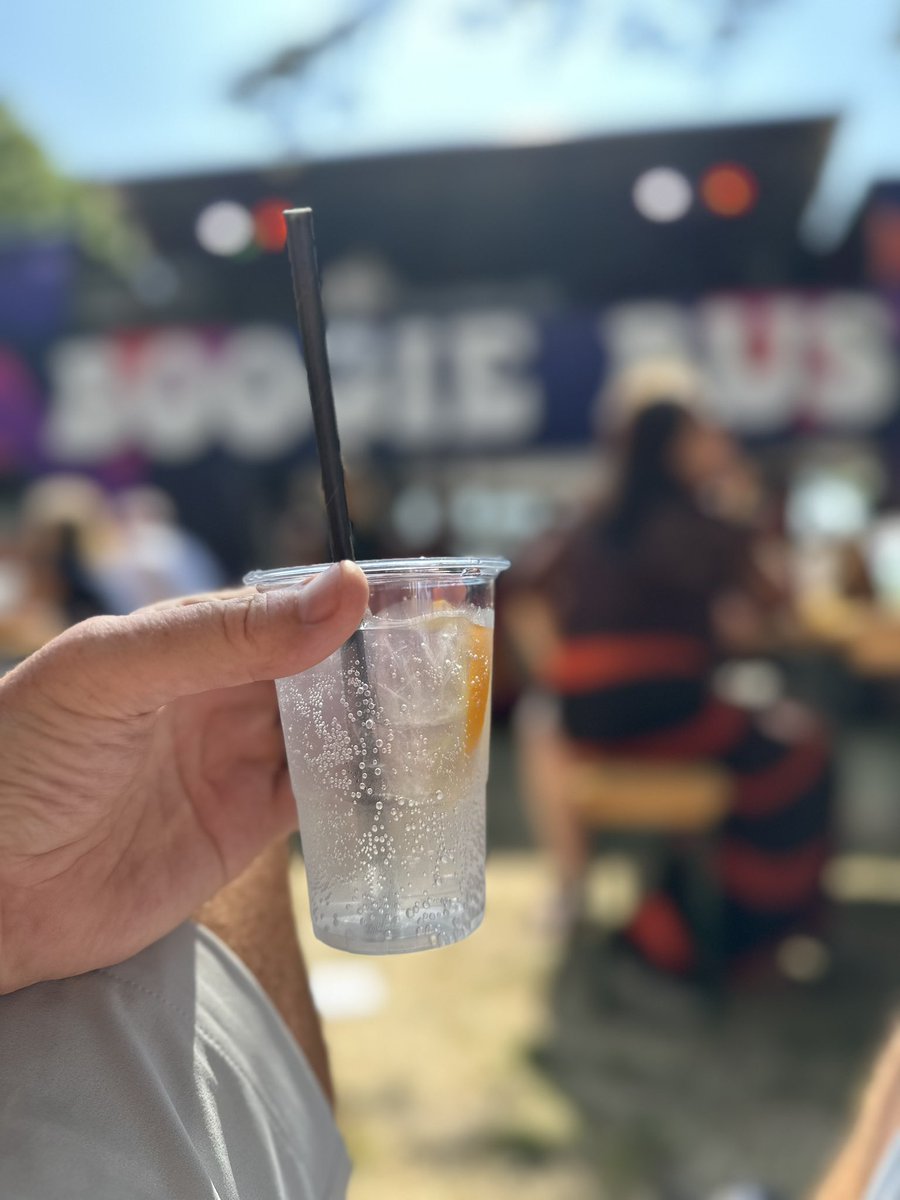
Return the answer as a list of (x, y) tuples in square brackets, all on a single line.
[(471, 645), (478, 683)]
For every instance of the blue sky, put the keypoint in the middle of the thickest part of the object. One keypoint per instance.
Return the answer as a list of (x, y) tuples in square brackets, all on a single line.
[(119, 88)]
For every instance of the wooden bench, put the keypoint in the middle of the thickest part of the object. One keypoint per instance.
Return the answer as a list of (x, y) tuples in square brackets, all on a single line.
[(680, 805), (679, 798), (676, 809)]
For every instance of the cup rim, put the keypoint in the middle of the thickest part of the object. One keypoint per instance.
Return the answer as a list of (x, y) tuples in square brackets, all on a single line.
[(381, 569)]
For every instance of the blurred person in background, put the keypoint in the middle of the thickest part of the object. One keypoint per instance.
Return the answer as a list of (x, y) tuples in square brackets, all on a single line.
[(867, 1166), (156, 559), (297, 534), (621, 617), (369, 499), (69, 537), (88, 555)]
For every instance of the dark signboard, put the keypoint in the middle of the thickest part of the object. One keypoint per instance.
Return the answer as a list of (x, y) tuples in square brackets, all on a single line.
[(474, 381)]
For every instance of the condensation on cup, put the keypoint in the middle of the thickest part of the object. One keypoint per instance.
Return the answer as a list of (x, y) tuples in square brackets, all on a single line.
[(387, 744)]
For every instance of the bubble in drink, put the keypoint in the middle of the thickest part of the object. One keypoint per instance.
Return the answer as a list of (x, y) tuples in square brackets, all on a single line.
[(416, 881), (382, 835)]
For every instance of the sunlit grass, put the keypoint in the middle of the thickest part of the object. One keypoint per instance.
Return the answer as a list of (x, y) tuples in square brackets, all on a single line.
[(438, 1095)]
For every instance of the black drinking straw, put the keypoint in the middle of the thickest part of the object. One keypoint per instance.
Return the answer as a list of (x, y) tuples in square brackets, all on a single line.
[(301, 245)]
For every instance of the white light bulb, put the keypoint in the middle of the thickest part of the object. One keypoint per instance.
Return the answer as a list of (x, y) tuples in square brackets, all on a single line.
[(662, 194), (224, 228)]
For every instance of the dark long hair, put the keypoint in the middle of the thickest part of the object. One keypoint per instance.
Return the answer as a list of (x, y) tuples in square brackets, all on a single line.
[(646, 479)]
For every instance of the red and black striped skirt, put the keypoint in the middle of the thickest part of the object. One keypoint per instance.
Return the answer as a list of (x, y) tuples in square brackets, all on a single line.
[(648, 697)]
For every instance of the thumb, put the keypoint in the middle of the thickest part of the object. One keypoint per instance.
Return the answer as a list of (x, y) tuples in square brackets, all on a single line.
[(124, 666)]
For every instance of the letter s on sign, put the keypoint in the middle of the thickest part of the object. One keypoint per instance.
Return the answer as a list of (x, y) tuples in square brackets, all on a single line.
[(858, 384), (87, 415)]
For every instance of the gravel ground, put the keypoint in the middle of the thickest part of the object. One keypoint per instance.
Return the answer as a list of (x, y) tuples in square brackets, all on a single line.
[(439, 1098), (508, 1066)]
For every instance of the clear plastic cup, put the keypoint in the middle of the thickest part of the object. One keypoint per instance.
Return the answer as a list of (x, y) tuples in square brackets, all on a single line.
[(387, 745)]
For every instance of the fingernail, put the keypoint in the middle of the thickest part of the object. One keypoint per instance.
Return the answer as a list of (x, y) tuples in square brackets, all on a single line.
[(321, 596)]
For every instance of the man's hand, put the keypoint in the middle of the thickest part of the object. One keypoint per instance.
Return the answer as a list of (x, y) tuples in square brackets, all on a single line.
[(142, 767)]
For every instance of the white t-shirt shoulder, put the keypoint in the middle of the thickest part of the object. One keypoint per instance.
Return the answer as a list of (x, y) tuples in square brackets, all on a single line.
[(886, 1183), (167, 1077)]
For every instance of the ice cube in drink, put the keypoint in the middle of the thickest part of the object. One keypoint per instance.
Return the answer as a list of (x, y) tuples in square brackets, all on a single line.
[(389, 761)]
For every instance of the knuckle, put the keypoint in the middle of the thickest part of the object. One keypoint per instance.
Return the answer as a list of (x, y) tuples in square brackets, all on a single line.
[(64, 672), (80, 640), (244, 630)]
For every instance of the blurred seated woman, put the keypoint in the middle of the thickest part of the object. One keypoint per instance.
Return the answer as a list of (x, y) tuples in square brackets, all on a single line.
[(618, 618)]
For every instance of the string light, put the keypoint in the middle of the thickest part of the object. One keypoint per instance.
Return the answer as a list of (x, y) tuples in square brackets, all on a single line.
[(268, 222), (662, 194), (729, 190), (224, 228)]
